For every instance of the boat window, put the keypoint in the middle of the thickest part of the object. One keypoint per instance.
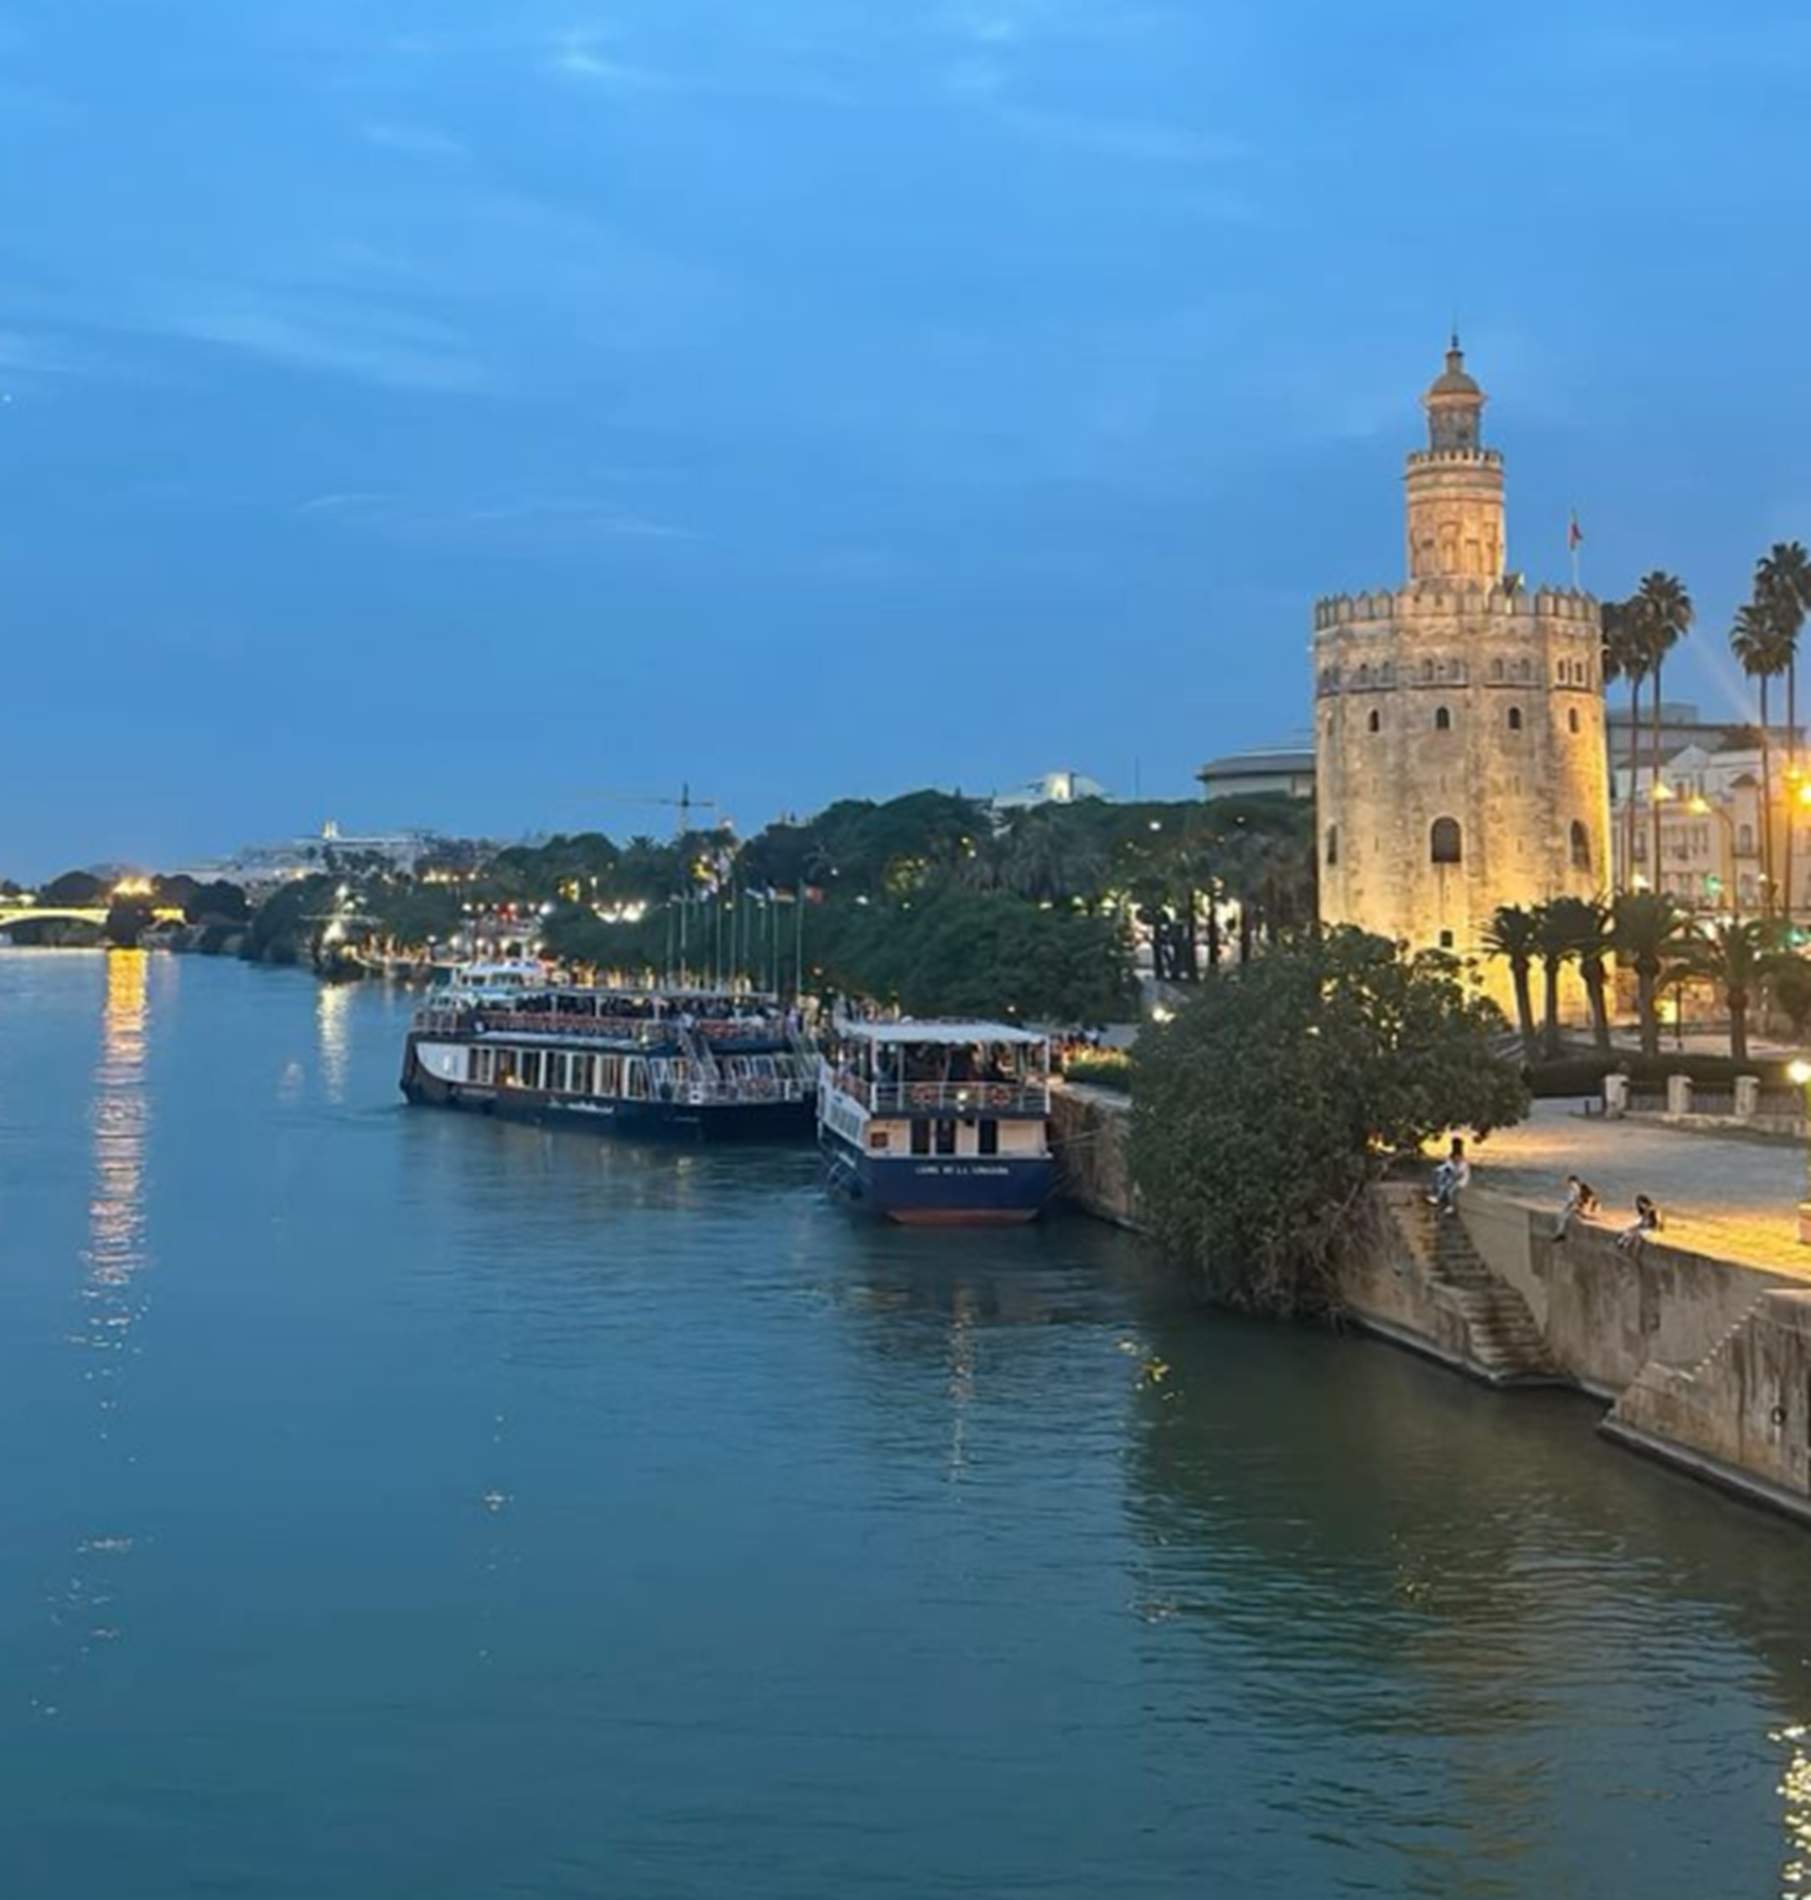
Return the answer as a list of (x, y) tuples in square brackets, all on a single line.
[(921, 1138), (531, 1068), (946, 1138), (506, 1065), (989, 1138)]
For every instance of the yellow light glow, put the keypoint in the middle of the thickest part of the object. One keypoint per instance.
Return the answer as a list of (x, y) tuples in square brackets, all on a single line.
[(1698, 807), (1799, 1071), (1662, 792), (132, 887)]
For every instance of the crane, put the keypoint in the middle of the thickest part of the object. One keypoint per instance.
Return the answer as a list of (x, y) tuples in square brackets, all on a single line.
[(685, 804)]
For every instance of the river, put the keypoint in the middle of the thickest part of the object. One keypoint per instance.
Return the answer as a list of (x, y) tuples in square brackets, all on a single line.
[(398, 1503)]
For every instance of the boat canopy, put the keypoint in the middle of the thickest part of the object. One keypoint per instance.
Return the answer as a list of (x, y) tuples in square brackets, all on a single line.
[(908, 1031)]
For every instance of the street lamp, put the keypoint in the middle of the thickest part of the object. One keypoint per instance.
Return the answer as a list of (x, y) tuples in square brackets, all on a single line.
[(1798, 1072)]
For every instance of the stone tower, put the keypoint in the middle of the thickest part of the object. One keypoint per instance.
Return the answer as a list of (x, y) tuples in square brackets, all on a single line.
[(1459, 719)]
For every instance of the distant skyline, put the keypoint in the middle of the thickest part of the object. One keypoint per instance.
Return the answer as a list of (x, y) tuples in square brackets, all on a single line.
[(423, 413)]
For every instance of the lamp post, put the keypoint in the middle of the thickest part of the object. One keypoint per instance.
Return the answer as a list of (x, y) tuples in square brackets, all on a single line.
[(1798, 1071)]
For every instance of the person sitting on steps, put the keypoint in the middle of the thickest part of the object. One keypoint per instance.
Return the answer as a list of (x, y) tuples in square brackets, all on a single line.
[(1452, 1174)]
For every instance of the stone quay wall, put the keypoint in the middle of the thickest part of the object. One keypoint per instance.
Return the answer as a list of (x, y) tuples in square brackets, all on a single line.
[(1705, 1363)]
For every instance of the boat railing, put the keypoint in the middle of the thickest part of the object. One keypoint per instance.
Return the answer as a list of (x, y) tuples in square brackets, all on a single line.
[(531, 1022), (947, 1098)]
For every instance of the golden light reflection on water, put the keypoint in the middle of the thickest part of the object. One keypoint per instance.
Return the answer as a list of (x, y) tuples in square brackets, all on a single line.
[(333, 1028), (119, 1120), (1795, 1791), (961, 1386)]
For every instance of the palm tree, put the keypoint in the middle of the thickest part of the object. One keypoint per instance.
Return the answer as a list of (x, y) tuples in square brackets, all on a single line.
[(1648, 930), (1761, 655), (1733, 956), (1586, 927), (1513, 935), (1663, 611), (1624, 658), (1782, 589), (1554, 943)]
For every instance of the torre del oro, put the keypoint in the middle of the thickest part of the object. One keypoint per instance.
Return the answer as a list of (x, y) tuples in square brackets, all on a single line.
[(1459, 717)]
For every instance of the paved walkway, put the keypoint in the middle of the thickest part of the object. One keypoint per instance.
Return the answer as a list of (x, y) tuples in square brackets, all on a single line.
[(1734, 1196)]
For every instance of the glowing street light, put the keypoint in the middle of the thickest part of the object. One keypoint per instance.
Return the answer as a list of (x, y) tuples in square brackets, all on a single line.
[(1798, 1072)]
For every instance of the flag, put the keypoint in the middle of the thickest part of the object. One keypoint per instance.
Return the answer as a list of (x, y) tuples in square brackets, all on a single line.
[(1574, 534)]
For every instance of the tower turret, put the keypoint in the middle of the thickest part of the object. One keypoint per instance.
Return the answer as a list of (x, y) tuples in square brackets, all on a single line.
[(1455, 485)]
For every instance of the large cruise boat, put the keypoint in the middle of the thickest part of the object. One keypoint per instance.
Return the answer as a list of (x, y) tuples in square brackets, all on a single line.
[(938, 1121), (697, 1064)]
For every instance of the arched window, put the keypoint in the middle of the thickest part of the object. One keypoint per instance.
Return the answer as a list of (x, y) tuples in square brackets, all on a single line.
[(1333, 844), (1745, 839), (1581, 846), (1443, 720), (1375, 722), (1572, 718), (1444, 843), (1496, 669), (1515, 719)]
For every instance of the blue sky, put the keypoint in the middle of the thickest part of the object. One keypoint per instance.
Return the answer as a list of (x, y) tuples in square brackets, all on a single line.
[(449, 414)]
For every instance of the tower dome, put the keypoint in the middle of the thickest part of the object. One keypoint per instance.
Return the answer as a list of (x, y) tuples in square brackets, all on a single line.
[(1454, 404)]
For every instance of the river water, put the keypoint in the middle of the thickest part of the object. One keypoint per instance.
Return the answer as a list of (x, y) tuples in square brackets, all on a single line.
[(402, 1504)]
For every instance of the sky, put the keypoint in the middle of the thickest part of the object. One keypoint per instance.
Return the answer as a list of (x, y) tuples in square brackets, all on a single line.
[(419, 412)]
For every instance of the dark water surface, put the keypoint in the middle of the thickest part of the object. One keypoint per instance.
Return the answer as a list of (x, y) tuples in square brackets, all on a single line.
[(400, 1504)]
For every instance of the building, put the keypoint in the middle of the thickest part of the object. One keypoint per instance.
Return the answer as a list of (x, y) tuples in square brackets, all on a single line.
[(1713, 856), (1054, 788), (1459, 718), (1681, 724), (1287, 769), (261, 866)]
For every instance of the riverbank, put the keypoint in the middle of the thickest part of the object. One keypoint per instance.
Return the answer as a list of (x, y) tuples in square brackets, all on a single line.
[(1700, 1343)]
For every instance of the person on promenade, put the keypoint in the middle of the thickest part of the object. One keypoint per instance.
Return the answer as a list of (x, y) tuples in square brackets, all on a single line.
[(1581, 1204), (1647, 1221), (1452, 1174)]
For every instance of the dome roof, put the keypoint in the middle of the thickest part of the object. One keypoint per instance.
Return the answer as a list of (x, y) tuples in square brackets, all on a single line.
[(1454, 380)]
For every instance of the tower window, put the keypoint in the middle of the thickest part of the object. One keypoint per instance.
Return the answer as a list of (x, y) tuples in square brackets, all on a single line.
[(1445, 845), (1443, 720), (1515, 719), (1375, 722), (1572, 718), (1333, 844), (1581, 846), (1446, 940), (1496, 669)]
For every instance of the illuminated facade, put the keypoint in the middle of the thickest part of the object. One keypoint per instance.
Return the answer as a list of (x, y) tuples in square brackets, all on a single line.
[(1459, 718)]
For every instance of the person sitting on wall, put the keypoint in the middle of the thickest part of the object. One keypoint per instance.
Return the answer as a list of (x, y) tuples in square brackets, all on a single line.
[(1581, 1204), (1647, 1221), (1452, 1174)]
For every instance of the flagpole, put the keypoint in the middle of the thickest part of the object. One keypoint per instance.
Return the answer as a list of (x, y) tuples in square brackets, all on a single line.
[(1573, 540)]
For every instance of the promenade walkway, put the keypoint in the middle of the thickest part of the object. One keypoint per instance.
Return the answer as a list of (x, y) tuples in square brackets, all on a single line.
[(1732, 1196)]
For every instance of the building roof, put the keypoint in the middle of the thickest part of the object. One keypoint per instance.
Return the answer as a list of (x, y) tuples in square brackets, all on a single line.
[(952, 1030), (1454, 380), (1259, 759)]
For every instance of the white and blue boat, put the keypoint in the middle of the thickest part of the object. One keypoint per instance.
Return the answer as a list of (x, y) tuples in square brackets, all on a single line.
[(938, 1122), (696, 1065)]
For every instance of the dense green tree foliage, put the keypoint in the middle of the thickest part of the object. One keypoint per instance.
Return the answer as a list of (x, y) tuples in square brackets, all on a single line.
[(1286, 1088)]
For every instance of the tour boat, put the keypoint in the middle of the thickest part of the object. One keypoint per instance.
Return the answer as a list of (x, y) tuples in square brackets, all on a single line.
[(938, 1122), (700, 1065)]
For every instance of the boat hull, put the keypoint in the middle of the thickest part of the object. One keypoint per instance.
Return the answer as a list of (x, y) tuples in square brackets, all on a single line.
[(941, 1190), (654, 1121)]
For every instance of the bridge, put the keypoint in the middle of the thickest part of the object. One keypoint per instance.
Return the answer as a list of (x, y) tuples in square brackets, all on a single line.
[(11, 914)]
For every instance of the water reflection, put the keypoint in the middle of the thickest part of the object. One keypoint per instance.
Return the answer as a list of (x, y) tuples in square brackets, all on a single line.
[(333, 1028), (116, 1252), (1795, 1791)]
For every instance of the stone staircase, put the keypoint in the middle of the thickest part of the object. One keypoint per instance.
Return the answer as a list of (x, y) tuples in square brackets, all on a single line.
[(1504, 1345)]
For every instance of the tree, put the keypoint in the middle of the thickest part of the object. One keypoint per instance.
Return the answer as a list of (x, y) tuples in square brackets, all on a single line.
[(1735, 957), (1512, 935), (1782, 591), (1555, 945), (1790, 981), (1648, 929), (1624, 657), (1585, 926), (1663, 614), (1755, 641), (128, 918), (74, 890), (1278, 1096)]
